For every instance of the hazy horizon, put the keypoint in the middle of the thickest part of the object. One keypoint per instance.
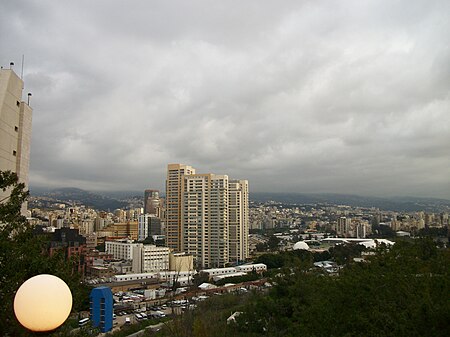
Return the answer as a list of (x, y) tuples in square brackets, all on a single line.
[(162, 192)]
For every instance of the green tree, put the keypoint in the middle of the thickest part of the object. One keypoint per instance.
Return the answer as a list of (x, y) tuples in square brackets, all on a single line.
[(15, 246), (200, 278), (271, 260), (344, 253), (273, 242), (24, 255), (401, 291)]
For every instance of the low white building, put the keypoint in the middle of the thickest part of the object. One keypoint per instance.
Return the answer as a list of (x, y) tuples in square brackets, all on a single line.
[(145, 258), (184, 278), (133, 277), (221, 277), (121, 249), (150, 258), (207, 286), (247, 268), (171, 277), (219, 271)]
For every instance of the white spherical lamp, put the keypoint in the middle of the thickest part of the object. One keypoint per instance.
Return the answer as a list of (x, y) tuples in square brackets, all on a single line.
[(43, 303)]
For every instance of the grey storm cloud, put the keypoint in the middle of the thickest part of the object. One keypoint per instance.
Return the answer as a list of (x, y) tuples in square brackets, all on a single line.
[(295, 96)]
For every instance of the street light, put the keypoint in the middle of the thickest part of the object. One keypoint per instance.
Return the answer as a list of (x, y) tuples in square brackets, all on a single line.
[(43, 303)]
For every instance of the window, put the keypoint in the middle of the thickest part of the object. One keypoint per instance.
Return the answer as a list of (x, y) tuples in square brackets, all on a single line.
[(16, 129), (18, 103), (14, 153)]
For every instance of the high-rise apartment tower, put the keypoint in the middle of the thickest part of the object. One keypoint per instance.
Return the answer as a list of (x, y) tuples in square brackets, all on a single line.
[(207, 216), (205, 219), (238, 215), (15, 127), (175, 173)]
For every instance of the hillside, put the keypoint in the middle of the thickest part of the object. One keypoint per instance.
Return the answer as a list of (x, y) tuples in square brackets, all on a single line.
[(400, 204), (78, 196)]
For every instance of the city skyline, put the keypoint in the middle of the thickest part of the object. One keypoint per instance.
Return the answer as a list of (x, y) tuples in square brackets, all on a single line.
[(306, 97)]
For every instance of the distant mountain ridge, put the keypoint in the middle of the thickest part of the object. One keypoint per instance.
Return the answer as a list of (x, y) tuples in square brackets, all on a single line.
[(111, 200), (400, 204), (79, 196)]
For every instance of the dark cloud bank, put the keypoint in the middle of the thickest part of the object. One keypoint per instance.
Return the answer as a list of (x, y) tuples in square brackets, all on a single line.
[(296, 96)]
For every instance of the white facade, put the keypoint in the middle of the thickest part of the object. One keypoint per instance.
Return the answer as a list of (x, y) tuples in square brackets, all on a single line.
[(204, 215), (150, 258), (145, 258), (163, 276), (175, 173), (133, 277), (258, 267), (121, 250), (238, 220), (15, 127), (169, 275), (218, 273)]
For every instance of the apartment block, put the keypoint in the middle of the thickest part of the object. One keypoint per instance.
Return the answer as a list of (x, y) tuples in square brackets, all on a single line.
[(175, 173), (150, 258), (238, 220), (206, 216), (15, 127), (121, 250), (343, 226)]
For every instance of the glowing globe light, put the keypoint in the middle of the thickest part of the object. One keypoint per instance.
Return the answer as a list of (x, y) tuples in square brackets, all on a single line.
[(43, 303)]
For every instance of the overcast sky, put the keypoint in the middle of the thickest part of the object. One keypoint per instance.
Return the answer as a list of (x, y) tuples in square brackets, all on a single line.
[(295, 96)]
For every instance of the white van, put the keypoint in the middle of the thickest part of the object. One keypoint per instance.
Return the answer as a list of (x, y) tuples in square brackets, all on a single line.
[(160, 314)]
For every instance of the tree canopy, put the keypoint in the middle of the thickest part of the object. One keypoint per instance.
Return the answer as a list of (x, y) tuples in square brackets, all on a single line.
[(403, 291), (24, 255)]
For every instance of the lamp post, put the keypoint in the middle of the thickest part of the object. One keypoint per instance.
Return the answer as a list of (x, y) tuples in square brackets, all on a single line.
[(43, 303)]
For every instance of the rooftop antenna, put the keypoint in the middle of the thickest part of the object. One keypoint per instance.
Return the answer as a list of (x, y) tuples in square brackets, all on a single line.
[(21, 73), (10, 65), (29, 95)]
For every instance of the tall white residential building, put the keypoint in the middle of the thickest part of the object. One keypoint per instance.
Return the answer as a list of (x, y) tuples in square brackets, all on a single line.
[(175, 173), (150, 258), (121, 249), (15, 127), (207, 216), (238, 220), (205, 219)]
